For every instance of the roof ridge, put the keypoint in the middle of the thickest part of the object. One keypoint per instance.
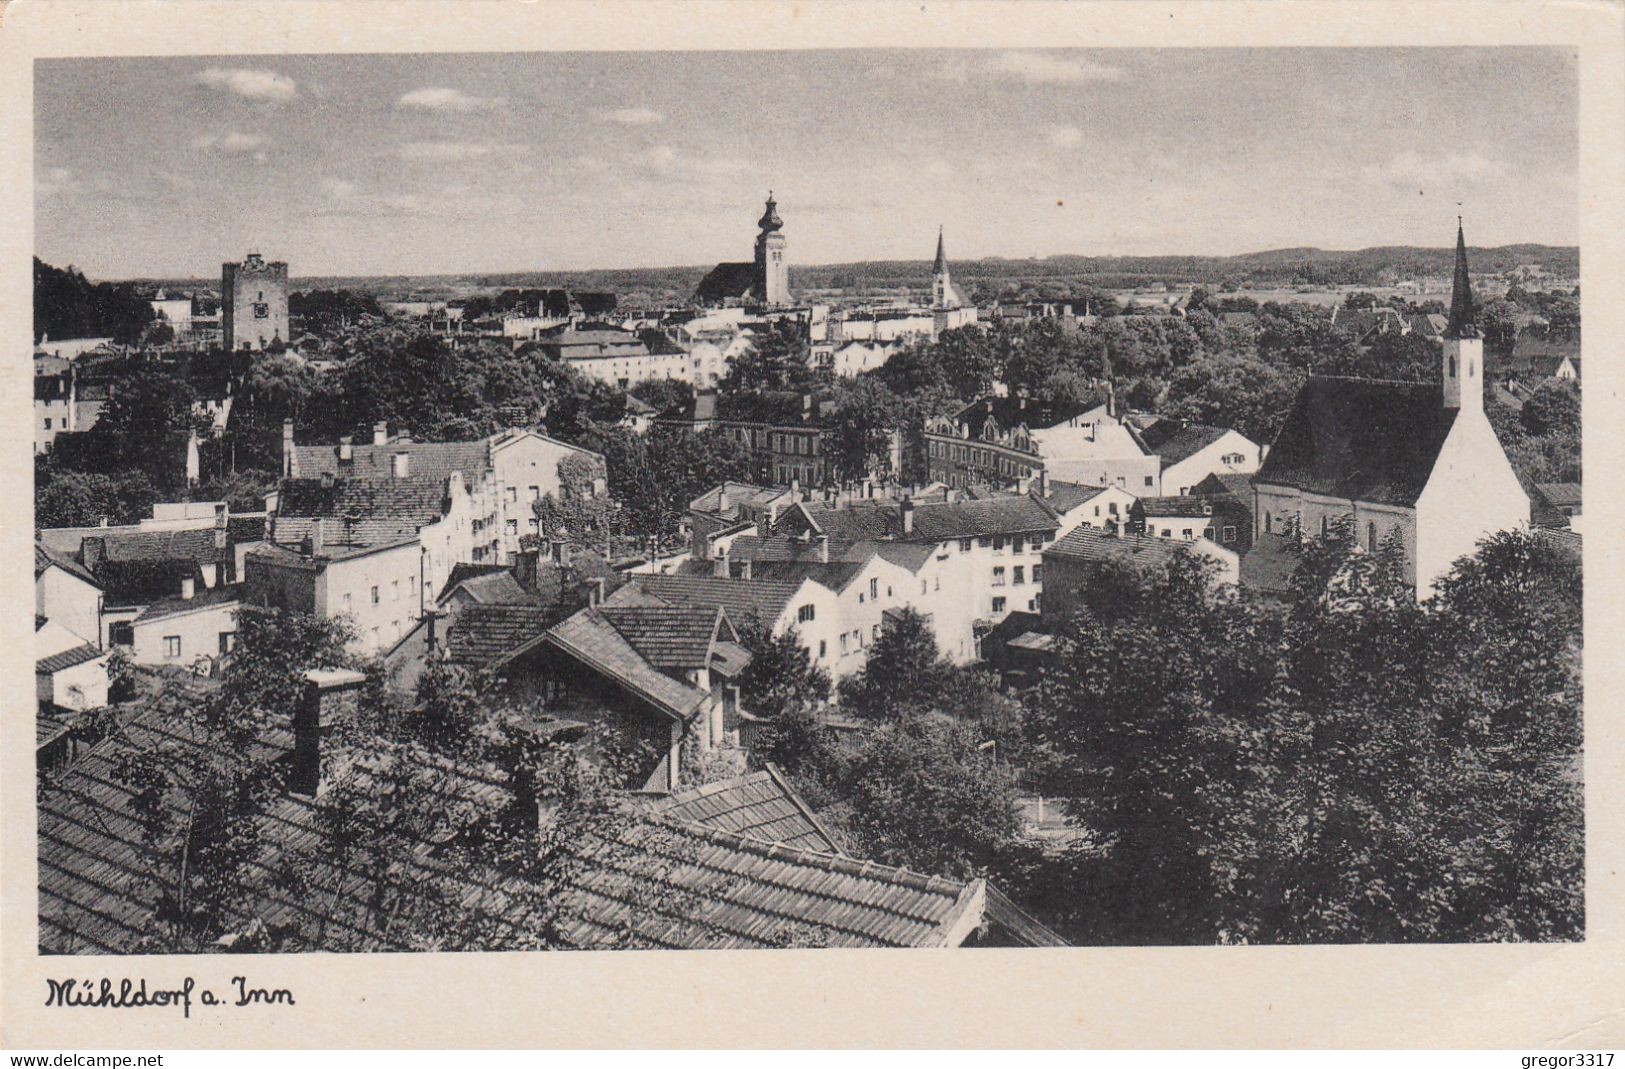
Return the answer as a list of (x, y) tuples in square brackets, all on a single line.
[(838, 862)]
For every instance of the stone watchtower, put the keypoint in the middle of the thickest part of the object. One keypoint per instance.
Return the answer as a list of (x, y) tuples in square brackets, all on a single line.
[(253, 303), (772, 272)]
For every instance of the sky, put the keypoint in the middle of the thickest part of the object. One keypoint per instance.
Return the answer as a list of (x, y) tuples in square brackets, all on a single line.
[(463, 163)]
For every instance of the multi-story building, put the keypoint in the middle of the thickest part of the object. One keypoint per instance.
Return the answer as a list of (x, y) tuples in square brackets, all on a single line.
[(375, 588), (254, 303)]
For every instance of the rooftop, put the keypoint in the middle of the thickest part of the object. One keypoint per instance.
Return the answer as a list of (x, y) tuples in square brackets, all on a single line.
[(1093, 544), (760, 806)]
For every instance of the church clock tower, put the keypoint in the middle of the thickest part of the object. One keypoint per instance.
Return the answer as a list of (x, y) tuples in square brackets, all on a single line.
[(772, 271)]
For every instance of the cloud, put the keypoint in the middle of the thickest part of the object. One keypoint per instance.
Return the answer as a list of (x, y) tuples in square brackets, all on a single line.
[(347, 198), (668, 161), (234, 142), (451, 151), (1064, 136), (439, 98), (1030, 66), (633, 116), (254, 84), (1412, 170), (53, 180)]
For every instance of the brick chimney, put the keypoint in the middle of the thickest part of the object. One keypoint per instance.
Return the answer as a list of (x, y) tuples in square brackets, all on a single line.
[(380, 433), (329, 696)]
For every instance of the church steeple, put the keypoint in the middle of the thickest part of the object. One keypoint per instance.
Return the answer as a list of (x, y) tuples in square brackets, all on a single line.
[(941, 266), (772, 283), (770, 220), (943, 295), (1463, 324)]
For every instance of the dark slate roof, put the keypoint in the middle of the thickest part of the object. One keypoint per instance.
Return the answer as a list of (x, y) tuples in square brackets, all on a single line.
[(483, 635), (738, 494), (836, 575), (934, 522), (45, 557), (205, 597), (1360, 439), (438, 459), (1009, 412), (1561, 538), (1065, 496), (759, 806), (197, 546), (1237, 486), (493, 588), (727, 281), (1093, 544), (56, 662), (591, 640), (1174, 441), (1560, 493), (668, 636), (359, 511), (1270, 565), (761, 599)]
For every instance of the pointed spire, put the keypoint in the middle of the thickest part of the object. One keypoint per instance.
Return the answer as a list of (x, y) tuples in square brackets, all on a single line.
[(1462, 322), (942, 255)]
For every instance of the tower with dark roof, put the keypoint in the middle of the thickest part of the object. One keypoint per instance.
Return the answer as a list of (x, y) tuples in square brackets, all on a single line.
[(1462, 361), (943, 294), (772, 270)]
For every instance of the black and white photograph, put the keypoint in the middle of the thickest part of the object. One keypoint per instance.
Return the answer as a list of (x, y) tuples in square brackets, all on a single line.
[(597, 501)]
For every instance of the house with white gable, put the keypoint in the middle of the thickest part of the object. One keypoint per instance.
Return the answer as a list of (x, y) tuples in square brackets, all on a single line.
[(1414, 461)]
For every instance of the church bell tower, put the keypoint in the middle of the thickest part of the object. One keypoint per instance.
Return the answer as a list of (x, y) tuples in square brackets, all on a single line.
[(1462, 370), (772, 271)]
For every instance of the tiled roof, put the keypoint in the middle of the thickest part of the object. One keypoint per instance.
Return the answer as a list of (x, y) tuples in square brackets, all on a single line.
[(590, 639), (483, 634), (194, 545), (493, 588), (1270, 565), (668, 636), (727, 281), (738, 494), (1560, 493), (358, 510), (204, 597), (761, 599), (934, 522), (835, 575), (45, 557), (1180, 505), (1090, 543), (438, 459), (759, 806), (1360, 439), (56, 662), (1238, 486), (1173, 441), (1008, 412), (1065, 496), (790, 548)]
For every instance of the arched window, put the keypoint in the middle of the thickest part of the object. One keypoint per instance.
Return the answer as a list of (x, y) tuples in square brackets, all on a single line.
[(1452, 367), (1267, 527), (1371, 537)]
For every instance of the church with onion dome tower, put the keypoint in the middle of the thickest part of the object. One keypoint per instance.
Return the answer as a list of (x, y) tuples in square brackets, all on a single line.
[(764, 281)]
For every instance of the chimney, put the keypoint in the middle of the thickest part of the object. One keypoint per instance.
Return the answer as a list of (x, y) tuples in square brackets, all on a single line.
[(524, 566), (795, 488), (316, 545), (1043, 483), (220, 526), (400, 464), (346, 450), (719, 564), (380, 433), (289, 467), (595, 591), (188, 587), (560, 551), (327, 480), (823, 548), (329, 696), (907, 512), (722, 499), (744, 568)]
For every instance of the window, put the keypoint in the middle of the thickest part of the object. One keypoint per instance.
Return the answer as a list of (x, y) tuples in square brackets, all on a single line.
[(1148, 481), (375, 595), (1038, 573), (1111, 507), (1229, 535), (536, 493), (1038, 542), (805, 613), (1233, 458), (172, 645), (513, 493), (120, 634), (998, 605), (984, 541), (1185, 534), (513, 527), (964, 545), (346, 603), (998, 544), (937, 583), (874, 632), (998, 577), (1371, 537), (843, 643), (1267, 524), (1019, 577), (874, 588), (823, 649), (228, 642), (1325, 525), (47, 422), (1018, 544), (395, 590), (1210, 534)]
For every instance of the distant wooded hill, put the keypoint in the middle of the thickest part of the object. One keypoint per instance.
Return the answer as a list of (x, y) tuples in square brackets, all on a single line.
[(1382, 265)]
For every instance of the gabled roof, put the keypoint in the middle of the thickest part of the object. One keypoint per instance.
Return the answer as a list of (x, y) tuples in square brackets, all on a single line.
[(1093, 544), (670, 636), (727, 281), (45, 557), (1065, 496), (1174, 441), (1360, 439), (1270, 565), (835, 575), (193, 546), (591, 640), (761, 599), (933, 522), (1010, 412), (497, 587), (1181, 505), (358, 510), (203, 598), (57, 662), (1560, 493), (1238, 486), (739, 493), (759, 806), (438, 459), (484, 636)]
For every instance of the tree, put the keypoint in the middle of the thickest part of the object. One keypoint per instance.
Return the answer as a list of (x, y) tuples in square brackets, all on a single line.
[(782, 677), (866, 416), (904, 671), (653, 477), (580, 512), (1240, 392), (779, 358), (146, 424), (1553, 409)]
